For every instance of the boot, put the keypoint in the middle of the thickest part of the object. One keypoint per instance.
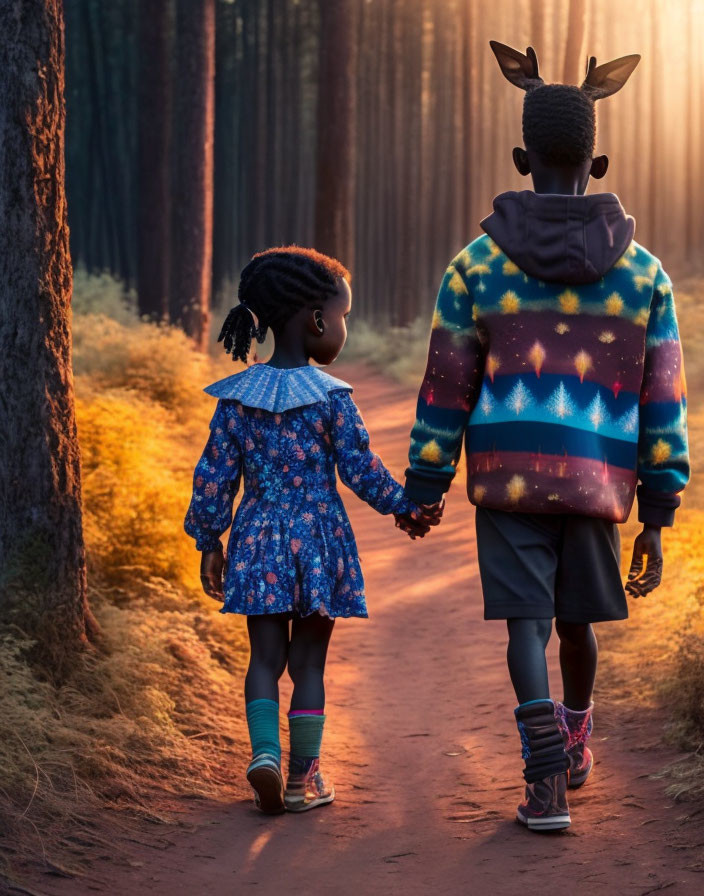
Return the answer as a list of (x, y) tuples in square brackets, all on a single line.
[(546, 772), (576, 728), (545, 805), (306, 787), (265, 779)]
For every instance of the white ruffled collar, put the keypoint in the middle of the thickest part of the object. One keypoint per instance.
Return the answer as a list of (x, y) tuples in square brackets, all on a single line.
[(277, 389)]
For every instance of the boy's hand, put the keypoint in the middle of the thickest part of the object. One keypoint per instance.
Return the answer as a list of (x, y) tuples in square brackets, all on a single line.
[(418, 524), (646, 567), (212, 564)]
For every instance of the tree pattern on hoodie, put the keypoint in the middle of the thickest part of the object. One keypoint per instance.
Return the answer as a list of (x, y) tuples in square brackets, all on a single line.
[(565, 395)]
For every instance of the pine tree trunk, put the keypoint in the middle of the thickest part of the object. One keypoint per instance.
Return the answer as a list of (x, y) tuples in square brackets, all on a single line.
[(334, 226), (192, 198), (154, 126), (43, 571), (574, 64)]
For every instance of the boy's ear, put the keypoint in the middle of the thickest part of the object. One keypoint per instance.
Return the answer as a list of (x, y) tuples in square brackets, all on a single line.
[(606, 79), (599, 167), (521, 161), (519, 69)]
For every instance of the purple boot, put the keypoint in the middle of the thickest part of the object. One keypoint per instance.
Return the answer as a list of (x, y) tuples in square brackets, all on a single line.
[(545, 806), (576, 727)]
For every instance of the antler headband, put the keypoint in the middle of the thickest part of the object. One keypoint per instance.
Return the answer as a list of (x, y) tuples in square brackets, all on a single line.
[(601, 81)]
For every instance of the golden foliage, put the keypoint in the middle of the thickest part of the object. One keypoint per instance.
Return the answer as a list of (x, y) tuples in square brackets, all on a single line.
[(150, 719)]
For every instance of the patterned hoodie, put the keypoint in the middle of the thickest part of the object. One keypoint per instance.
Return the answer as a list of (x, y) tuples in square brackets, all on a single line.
[(555, 356)]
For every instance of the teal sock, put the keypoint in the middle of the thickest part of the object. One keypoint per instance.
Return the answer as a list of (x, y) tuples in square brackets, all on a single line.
[(306, 734), (263, 723)]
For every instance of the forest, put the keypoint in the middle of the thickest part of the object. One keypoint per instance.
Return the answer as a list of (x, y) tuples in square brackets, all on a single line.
[(374, 129), (147, 150)]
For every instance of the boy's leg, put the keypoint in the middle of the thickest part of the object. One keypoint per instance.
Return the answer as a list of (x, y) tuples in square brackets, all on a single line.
[(588, 588), (518, 555), (527, 640), (545, 805), (578, 659), (306, 787), (268, 639)]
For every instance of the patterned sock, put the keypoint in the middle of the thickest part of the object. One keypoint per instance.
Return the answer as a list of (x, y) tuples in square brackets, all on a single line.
[(263, 723), (306, 733)]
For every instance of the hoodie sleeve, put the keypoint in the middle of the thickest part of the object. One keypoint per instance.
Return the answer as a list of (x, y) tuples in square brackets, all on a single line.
[(663, 453), (215, 482), (448, 392)]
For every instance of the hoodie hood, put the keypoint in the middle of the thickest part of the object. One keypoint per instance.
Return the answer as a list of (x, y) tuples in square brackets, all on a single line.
[(560, 237)]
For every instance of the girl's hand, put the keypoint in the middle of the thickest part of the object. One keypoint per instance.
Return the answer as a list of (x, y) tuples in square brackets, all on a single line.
[(417, 524), (212, 565), (646, 567)]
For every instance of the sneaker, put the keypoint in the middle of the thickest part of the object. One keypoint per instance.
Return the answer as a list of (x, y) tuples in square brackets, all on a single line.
[(576, 727), (545, 807), (264, 776), (307, 788)]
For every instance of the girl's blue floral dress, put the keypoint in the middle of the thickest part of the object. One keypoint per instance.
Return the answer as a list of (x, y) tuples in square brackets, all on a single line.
[(291, 547)]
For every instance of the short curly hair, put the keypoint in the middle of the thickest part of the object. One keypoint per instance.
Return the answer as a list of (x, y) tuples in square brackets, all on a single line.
[(559, 123)]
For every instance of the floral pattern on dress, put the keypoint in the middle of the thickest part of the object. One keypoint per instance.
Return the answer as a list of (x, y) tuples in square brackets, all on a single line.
[(291, 547)]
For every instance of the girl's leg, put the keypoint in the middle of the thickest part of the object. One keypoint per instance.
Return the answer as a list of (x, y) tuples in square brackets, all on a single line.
[(310, 636), (306, 787), (527, 640), (268, 641), (578, 659)]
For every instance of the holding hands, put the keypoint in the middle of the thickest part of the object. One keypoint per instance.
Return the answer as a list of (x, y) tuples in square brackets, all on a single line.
[(417, 523)]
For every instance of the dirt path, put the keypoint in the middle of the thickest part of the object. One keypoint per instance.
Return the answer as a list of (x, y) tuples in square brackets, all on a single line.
[(423, 749)]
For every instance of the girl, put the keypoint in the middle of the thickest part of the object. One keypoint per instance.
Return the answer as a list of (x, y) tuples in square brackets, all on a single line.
[(291, 554)]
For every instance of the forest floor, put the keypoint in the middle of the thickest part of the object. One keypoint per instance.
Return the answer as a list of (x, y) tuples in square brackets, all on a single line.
[(421, 743)]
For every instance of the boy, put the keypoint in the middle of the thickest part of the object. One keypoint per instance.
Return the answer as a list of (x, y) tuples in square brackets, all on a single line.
[(555, 355)]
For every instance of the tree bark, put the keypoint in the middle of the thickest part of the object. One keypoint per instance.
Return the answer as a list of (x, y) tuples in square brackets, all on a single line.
[(192, 195), (335, 165), (43, 570), (574, 66), (154, 128)]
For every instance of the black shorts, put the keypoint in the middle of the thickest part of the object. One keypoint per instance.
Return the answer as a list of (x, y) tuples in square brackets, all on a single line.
[(545, 565)]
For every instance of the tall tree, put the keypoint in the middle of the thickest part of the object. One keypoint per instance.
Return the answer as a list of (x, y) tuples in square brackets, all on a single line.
[(573, 65), (43, 568), (335, 172), (154, 129), (192, 195)]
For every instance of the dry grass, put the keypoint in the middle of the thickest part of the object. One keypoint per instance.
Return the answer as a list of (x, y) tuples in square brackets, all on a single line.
[(151, 719), (398, 352)]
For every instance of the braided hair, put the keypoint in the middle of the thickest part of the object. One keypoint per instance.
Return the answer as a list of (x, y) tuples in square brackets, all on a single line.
[(559, 123), (275, 285)]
